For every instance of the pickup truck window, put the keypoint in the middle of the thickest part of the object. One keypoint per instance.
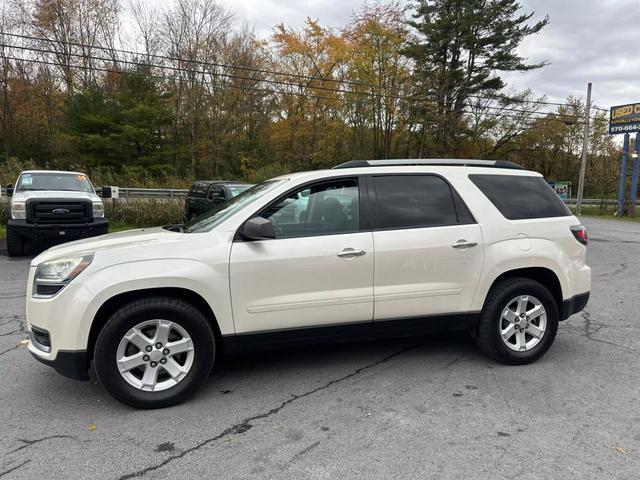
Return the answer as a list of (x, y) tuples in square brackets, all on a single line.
[(70, 182), (236, 190), (221, 212)]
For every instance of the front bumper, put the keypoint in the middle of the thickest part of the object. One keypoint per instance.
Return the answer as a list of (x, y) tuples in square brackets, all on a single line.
[(71, 364), (39, 231)]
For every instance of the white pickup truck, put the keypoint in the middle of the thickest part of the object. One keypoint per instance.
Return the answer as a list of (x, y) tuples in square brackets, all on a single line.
[(50, 205)]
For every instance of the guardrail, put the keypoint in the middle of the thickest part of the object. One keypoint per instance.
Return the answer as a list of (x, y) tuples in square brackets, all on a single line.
[(165, 193)]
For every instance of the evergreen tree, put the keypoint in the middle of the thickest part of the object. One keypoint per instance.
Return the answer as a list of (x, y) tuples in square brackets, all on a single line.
[(459, 48)]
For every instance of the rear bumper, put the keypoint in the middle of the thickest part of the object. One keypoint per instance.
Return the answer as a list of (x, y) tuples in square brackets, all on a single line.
[(39, 231), (71, 364), (574, 305)]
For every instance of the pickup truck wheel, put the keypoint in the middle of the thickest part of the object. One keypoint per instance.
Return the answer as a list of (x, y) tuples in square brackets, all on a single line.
[(154, 352), (15, 243), (519, 322)]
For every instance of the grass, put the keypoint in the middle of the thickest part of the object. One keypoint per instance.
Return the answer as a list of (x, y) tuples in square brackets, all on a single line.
[(606, 212)]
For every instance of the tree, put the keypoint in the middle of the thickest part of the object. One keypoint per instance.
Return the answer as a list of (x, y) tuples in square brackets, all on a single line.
[(378, 71), (459, 47), (122, 125)]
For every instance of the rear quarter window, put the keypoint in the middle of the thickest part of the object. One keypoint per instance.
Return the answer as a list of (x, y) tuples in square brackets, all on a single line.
[(520, 197), (198, 189)]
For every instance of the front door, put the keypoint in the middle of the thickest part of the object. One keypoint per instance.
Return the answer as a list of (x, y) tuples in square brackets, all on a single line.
[(429, 252), (318, 271)]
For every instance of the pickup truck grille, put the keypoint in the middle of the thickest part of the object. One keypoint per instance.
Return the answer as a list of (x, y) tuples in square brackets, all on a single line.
[(59, 212)]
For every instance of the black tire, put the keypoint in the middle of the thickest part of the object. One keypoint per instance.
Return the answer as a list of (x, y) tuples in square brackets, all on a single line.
[(178, 311), (15, 243), (488, 335)]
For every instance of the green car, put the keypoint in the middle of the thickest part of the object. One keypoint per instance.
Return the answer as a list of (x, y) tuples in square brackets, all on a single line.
[(205, 194)]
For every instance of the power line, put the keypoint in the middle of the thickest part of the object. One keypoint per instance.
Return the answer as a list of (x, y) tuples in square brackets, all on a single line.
[(274, 92), (178, 59), (270, 72), (252, 79)]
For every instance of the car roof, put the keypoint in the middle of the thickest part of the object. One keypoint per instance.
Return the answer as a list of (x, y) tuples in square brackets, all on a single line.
[(436, 168), (220, 182), (65, 172)]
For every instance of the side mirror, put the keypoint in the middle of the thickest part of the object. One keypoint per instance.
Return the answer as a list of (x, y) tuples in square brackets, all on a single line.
[(9, 190), (110, 191), (258, 228)]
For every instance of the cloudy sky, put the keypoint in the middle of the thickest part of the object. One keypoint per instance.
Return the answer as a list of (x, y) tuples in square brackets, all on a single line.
[(587, 41)]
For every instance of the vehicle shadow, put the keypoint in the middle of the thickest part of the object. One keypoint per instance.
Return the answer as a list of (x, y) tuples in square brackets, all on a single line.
[(309, 359), (269, 373)]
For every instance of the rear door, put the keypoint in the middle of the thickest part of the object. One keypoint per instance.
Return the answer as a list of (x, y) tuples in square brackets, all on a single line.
[(429, 252), (317, 272)]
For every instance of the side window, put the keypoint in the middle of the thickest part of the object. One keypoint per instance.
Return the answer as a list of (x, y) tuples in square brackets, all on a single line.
[(216, 193), (519, 197), (411, 201), (327, 208)]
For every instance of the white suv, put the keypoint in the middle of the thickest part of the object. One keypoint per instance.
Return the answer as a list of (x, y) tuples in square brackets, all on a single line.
[(368, 249)]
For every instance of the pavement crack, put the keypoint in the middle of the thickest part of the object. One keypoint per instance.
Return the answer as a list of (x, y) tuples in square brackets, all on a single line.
[(9, 349), (246, 424), (7, 472), (304, 451), (591, 328), (28, 443), (617, 271)]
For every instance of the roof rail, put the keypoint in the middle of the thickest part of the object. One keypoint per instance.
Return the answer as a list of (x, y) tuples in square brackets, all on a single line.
[(441, 162)]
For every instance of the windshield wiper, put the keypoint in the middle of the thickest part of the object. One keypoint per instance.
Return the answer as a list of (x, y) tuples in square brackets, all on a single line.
[(177, 227)]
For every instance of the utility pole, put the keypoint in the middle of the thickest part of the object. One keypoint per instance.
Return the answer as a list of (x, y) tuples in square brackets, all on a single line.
[(585, 145)]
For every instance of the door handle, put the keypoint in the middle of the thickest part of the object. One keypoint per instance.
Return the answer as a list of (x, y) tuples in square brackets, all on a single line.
[(462, 243), (350, 253)]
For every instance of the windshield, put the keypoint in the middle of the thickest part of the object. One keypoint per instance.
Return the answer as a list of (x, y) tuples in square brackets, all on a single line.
[(72, 182), (236, 190), (218, 214)]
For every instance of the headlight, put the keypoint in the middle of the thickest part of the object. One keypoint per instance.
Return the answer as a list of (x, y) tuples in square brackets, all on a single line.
[(18, 210), (53, 276), (98, 210)]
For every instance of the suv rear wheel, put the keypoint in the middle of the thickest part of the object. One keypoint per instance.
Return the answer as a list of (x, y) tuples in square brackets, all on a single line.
[(15, 243), (519, 321), (154, 352)]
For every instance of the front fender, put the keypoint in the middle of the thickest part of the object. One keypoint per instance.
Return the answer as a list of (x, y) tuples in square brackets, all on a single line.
[(211, 283)]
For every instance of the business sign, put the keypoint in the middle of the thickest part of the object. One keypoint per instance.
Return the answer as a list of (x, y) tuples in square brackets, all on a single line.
[(625, 119), (563, 189)]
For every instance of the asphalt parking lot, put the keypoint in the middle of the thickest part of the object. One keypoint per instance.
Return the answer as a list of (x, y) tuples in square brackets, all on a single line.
[(432, 408)]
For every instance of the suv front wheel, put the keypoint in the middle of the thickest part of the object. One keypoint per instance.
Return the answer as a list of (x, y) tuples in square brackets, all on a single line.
[(519, 321), (154, 352)]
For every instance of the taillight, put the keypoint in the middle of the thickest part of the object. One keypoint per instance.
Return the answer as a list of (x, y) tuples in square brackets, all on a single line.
[(580, 232)]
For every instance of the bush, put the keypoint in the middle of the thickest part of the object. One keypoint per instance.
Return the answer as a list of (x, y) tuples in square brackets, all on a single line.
[(141, 213)]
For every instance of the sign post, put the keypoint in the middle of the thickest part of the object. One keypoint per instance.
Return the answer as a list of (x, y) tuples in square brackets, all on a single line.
[(623, 175), (634, 178), (626, 119)]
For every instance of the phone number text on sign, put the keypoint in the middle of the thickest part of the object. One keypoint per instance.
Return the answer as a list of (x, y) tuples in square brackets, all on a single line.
[(628, 128)]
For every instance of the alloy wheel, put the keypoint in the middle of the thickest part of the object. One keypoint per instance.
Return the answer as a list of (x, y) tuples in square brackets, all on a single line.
[(155, 355), (523, 323)]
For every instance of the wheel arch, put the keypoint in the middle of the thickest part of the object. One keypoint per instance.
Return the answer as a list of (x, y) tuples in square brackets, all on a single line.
[(544, 276), (110, 306)]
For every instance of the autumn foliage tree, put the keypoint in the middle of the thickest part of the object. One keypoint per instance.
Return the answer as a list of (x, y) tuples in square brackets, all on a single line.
[(140, 92)]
